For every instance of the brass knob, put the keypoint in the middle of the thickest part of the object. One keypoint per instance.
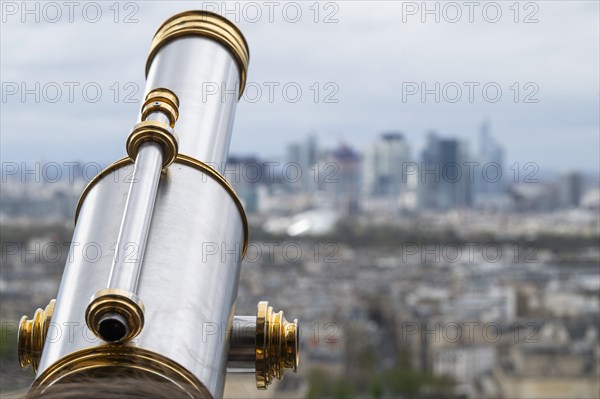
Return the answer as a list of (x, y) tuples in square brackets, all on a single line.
[(163, 100), (277, 345), (32, 335)]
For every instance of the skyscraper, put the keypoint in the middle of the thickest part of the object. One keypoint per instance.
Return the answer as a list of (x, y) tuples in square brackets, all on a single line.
[(383, 172), (445, 180), (343, 185), (490, 181), (302, 158), (571, 188)]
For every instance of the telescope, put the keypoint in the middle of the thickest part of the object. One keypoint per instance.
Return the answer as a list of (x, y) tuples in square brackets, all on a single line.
[(154, 304)]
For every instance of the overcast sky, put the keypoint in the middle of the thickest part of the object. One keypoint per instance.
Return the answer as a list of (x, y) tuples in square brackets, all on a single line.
[(357, 63)]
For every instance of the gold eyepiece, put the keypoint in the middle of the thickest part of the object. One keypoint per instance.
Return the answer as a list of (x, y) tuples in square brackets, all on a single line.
[(115, 315)]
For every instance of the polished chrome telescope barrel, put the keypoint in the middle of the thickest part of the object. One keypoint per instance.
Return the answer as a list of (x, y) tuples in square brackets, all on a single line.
[(144, 290)]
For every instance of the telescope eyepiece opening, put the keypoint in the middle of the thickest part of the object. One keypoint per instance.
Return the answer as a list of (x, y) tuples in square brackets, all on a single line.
[(112, 327)]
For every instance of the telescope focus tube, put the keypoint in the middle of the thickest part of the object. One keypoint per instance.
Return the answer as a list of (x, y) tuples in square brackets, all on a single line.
[(152, 276)]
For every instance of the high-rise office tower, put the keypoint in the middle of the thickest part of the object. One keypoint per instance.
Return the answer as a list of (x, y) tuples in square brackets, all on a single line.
[(341, 179), (384, 172), (571, 189), (489, 174), (445, 179), (302, 165)]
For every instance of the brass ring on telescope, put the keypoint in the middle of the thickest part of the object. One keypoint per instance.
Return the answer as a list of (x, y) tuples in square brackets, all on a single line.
[(32, 336), (181, 159), (263, 377), (277, 347), (116, 361), (164, 100), (205, 24), (158, 132)]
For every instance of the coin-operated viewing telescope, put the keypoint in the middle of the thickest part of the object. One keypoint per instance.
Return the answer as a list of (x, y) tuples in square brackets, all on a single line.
[(155, 303)]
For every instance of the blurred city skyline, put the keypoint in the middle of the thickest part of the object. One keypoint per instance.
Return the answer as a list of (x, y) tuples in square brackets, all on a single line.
[(351, 89)]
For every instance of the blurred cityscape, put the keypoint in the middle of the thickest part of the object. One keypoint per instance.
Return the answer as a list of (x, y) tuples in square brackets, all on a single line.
[(444, 273)]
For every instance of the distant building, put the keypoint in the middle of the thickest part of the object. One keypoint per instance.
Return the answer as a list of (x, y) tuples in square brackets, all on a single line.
[(571, 189), (303, 158), (342, 183), (490, 173), (491, 157), (562, 362), (490, 304), (542, 196), (464, 363), (384, 171), (445, 180)]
